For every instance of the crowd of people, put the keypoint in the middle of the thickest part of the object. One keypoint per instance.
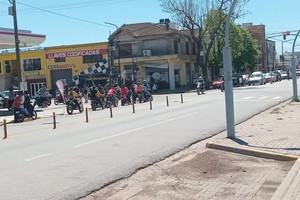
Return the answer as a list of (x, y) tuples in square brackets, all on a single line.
[(21, 100)]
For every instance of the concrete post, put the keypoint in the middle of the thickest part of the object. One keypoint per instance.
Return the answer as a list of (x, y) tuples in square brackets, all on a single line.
[(295, 92), (228, 78)]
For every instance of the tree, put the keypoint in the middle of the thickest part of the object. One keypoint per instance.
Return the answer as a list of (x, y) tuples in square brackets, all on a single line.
[(245, 49), (191, 15)]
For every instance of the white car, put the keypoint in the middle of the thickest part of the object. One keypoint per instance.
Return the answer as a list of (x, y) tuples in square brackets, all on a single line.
[(256, 77), (270, 77)]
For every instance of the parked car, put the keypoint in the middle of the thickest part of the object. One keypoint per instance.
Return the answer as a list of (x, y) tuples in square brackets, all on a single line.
[(217, 83), (297, 72), (237, 79), (286, 75), (269, 76), (256, 77), (277, 75), (3, 100), (245, 77)]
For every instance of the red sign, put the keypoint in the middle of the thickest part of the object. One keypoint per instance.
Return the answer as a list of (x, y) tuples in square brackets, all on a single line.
[(76, 53)]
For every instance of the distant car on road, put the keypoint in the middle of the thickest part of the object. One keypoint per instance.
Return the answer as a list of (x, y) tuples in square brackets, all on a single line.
[(286, 75), (277, 75), (217, 83), (256, 77), (269, 76), (237, 79)]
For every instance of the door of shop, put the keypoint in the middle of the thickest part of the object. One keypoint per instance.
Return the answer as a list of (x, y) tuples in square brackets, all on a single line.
[(64, 74), (34, 87)]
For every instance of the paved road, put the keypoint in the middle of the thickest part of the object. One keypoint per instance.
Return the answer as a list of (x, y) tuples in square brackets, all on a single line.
[(78, 157)]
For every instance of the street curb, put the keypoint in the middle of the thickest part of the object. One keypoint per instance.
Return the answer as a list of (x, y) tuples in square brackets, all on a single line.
[(284, 189), (253, 152)]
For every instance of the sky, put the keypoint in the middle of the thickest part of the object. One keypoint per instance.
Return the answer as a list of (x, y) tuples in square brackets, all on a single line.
[(83, 21)]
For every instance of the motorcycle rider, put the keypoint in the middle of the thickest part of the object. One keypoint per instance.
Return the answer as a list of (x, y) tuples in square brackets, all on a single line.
[(201, 82), (96, 96), (73, 96), (112, 95), (146, 90), (18, 105), (42, 96), (125, 93)]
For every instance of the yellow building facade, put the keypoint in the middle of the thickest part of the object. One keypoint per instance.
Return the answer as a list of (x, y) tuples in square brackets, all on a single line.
[(32, 68), (75, 64)]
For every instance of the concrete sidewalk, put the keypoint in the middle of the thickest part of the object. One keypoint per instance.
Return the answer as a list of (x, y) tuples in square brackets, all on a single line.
[(272, 138)]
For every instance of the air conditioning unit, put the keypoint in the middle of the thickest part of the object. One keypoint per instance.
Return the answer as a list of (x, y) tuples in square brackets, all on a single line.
[(147, 53)]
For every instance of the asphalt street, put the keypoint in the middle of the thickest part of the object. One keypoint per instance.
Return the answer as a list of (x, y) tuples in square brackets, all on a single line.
[(79, 157)]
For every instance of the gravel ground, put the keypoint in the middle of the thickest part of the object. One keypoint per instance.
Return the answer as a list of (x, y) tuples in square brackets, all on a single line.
[(199, 173)]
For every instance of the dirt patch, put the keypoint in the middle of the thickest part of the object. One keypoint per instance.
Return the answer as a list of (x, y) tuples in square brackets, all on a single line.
[(212, 174)]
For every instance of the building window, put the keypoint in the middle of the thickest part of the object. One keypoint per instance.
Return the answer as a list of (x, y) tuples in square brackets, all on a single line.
[(175, 47), (7, 67), (63, 59), (92, 58), (193, 49), (125, 50), (187, 49), (32, 64)]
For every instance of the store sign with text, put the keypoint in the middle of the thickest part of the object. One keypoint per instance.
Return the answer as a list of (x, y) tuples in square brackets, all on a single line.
[(76, 53), (61, 66)]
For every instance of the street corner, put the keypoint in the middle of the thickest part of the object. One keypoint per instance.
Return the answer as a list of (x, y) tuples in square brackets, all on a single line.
[(251, 151)]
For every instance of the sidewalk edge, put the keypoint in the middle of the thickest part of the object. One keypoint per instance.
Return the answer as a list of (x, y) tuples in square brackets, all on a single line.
[(253, 152), (282, 190)]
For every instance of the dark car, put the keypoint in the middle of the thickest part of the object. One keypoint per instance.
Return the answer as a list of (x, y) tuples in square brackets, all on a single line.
[(277, 75), (237, 79)]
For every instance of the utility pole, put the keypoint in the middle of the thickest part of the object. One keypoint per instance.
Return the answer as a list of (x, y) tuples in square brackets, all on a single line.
[(13, 11), (118, 49), (227, 60), (295, 92)]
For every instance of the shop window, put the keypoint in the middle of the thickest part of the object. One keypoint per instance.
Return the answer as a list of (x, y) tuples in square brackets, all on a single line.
[(32, 64), (7, 67), (92, 58), (63, 59)]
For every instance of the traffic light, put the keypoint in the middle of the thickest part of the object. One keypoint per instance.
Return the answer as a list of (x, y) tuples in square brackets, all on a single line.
[(284, 34)]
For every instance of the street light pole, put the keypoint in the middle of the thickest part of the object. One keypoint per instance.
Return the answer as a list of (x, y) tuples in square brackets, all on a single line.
[(228, 78), (17, 42), (295, 93), (118, 49)]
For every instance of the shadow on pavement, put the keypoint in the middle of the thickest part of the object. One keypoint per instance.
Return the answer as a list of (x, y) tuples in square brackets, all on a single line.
[(242, 142)]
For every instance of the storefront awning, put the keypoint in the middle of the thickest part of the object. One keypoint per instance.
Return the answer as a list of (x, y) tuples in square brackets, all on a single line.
[(26, 38)]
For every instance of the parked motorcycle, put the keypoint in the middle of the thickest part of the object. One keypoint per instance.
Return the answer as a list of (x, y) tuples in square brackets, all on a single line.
[(58, 98), (200, 87), (96, 103), (20, 116), (111, 100), (43, 104), (125, 100), (71, 106)]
